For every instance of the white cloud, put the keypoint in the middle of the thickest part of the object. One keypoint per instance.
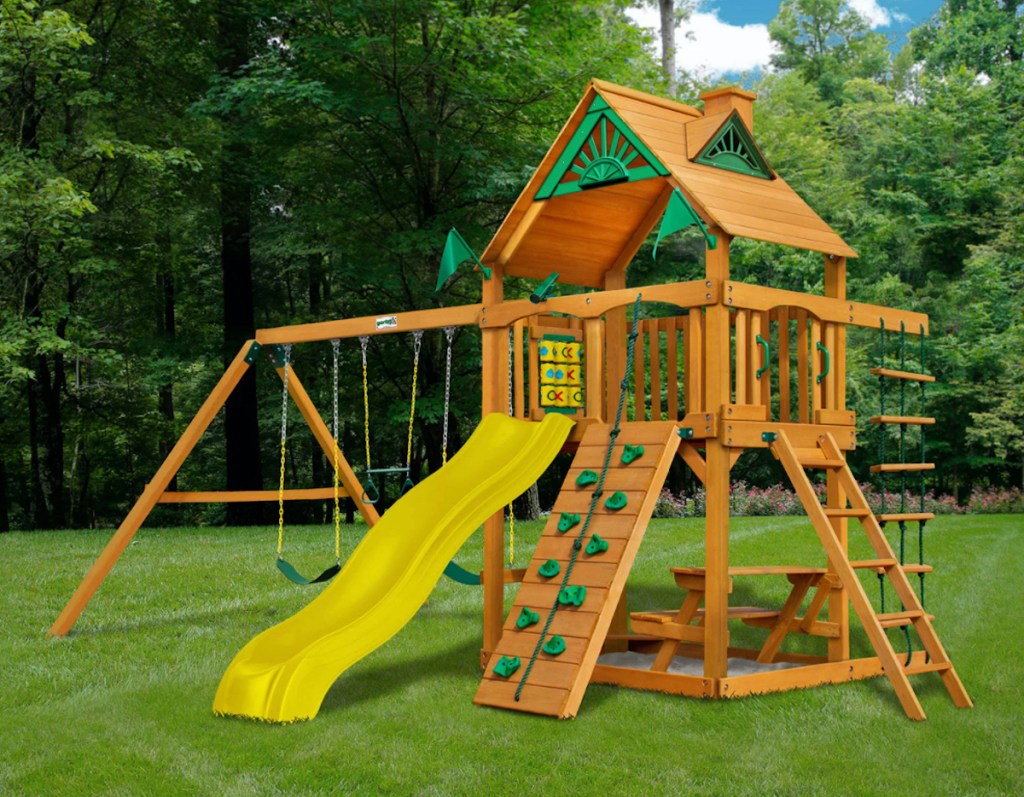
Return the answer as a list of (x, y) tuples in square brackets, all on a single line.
[(705, 44), (877, 15)]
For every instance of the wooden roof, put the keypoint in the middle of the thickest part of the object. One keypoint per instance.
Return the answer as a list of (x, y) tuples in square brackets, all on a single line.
[(584, 234)]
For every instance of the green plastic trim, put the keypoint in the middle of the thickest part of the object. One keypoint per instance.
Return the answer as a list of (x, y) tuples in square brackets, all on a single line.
[(567, 521), (596, 545), (605, 162), (767, 355), (679, 215), (572, 596), (631, 453), (828, 362), (549, 569), (506, 666), (545, 289), (253, 353), (769, 437), (686, 432), (586, 478), (555, 646), (527, 617), (616, 501), (733, 148), (560, 338)]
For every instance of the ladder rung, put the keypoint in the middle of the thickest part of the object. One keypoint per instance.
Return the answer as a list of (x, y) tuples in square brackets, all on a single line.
[(830, 464), (896, 517), (931, 666), (908, 569), (897, 467), (908, 375), (898, 619), (873, 564), (911, 420), (851, 512)]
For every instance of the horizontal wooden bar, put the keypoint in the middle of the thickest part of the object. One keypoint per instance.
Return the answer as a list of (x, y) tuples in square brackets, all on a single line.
[(748, 434), (801, 677), (902, 467), (238, 496), (384, 324), (908, 375), (695, 293), (896, 517), (669, 683), (910, 420), (759, 297), (836, 417)]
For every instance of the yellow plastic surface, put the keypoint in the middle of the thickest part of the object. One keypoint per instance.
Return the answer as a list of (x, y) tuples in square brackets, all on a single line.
[(283, 674)]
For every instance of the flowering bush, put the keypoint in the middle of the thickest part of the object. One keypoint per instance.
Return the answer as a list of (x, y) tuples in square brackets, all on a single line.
[(748, 501)]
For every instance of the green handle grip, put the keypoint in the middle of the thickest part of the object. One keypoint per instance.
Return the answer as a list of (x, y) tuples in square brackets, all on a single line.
[(828, 362), (767, 356)]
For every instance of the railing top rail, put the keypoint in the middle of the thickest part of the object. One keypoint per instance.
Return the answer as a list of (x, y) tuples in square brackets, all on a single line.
[(840, 311)]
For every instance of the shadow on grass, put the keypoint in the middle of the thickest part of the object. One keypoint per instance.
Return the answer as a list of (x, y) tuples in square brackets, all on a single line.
[(373, 682)]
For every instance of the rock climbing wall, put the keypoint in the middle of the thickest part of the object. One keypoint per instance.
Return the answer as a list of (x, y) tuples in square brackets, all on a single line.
[(561, 616)]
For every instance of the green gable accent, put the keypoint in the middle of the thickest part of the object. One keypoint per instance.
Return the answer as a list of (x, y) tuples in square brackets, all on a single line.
[(602, 151), (733, 148)]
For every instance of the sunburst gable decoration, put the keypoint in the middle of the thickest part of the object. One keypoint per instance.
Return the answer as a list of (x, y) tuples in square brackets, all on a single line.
[(733, 148), (603, 151)]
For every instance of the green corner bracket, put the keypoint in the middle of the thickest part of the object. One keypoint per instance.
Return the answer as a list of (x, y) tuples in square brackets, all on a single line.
[(679, 214), (686, 432), (253, 353)]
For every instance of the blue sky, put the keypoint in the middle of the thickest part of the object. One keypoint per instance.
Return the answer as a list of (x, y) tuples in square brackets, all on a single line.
[(731, 36)]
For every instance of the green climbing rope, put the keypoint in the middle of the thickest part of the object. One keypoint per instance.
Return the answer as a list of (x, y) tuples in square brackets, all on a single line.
[(577, 544)]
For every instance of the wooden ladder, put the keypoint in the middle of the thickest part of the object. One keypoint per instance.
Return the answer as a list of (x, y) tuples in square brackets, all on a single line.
[(828, 456)]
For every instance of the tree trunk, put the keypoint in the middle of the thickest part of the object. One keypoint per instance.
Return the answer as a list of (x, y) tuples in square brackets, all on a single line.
[(668, 43), (5, 512), (166, 330), (527, 506), (241, 419)]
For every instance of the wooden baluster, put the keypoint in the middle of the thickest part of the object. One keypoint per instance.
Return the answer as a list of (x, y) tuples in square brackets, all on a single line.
[(520, 367), (639, 391), (694, 353), (783, 317), (534, 374), (766, 376), (741, 346), (593, 348), (830, 383), (654, 346), (803, 368), (672, 366)]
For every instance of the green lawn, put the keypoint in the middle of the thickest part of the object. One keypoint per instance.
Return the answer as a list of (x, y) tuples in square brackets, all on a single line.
[(122, 707)]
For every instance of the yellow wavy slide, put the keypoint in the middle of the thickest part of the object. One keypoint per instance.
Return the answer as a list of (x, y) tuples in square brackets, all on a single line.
[(283, 674)]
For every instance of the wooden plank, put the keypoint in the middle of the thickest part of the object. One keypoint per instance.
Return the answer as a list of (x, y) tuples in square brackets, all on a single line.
[(784, 377), (831, 382), (622, 94), (902, 467), (803, 368), (654, 354), (593, 342), (533, 699), (553, 674), (672, 366), (801, 677), (744, 412), (910, 420), (668, 683), (579, 502), (457, 316), (700, 131), (908, 375), (239, 496), (545, 595), (639, 386), (836, 417), (589, 573), (559, 546), (574, 623), (523, 643), (615, 340), (817, 365), (634, 477), (695, 371), (741, 351), (747, 434), (151, 494), (525, 224)]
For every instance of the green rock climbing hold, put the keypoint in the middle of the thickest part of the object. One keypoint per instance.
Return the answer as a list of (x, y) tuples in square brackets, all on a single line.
[(572, 596), (596, 545), (616, 501), (631, 453), (527, 617), (567, 521), (506, 666), (586, 478), (549, 569), (554, 646)]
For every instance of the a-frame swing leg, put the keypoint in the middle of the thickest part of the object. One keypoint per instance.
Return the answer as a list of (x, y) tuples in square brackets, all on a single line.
[(324, 438), (151, 494)]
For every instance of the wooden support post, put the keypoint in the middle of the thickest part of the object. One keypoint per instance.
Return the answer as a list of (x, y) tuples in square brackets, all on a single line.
[(818, 364), (593, 368), (716, 529), (639, 382), (615, 340), (742, 354), (838, 604), (654, 357), (495, 399), (672, 367), (784, 394), (803, 369), (518, 331), (151, 494), (693, 341)]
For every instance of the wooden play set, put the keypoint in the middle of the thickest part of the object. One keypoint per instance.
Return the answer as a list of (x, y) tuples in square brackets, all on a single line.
[(728, 367)]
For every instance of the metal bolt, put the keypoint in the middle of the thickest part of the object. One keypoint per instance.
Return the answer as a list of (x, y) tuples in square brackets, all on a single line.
[(730, 300), (730, 289), (707, 417), (588, 302), (707, 296), (708, 283)]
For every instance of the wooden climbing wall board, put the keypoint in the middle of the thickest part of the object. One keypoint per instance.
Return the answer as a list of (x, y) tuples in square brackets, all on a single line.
[(556, 684)]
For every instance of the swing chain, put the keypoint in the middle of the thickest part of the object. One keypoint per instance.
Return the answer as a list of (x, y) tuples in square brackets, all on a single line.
[(364, 341), (449, 334), (417, 343), (287, 348), (511, 412), (335, 350)]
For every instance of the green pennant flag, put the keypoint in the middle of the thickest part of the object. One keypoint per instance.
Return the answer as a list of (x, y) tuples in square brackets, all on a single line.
[(679, 214), (456, 250)]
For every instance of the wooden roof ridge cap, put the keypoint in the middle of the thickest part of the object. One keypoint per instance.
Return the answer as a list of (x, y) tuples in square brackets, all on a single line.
[(604, 86), (506, 229), (748, 95)]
